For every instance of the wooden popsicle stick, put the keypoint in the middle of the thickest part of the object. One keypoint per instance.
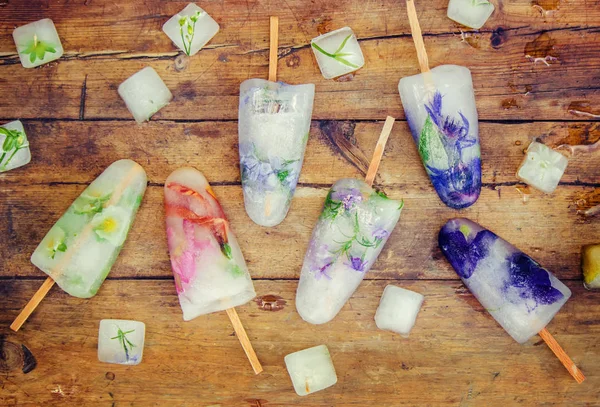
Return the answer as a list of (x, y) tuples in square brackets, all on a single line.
[(379, 148), (562, 356), (417, 36), (244, 340), (32, 304), (273, 47), (45, 288)]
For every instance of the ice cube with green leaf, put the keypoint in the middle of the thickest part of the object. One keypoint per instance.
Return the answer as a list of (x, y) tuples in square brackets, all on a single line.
[(14, 146), (191, 29), (121, 341), (37, 43), (80, 249), (338, 53)]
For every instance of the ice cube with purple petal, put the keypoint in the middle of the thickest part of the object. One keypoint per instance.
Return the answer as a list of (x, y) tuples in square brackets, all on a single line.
[(274, 123), (398, 309), (354, 225), (521, 295), (471, 13), (441, 113), (311, 370), (121, 341)]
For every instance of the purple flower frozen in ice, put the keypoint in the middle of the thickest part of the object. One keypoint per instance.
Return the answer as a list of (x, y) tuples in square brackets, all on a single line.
[(456, 131), (358, 264), (322, 271), (252, 168), (531, 279), (458, 186), (349, 197), (462, 253), (380, 234)]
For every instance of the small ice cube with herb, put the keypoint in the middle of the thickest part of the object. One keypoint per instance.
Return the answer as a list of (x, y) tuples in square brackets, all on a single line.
[(311, 370), (37, 43), (590, 264), (542, 167), (471, 13), (121, 341), (144, 94), (15, 147), (338, 53), (191, 29), (398, 309)]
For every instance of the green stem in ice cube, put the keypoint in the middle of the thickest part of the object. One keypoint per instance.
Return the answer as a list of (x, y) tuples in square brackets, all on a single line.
[(187, 29), (337, 55), (13, 142), (122, 337)]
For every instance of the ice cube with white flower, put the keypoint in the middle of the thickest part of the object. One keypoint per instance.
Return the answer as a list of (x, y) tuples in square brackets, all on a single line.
[(398, 309), (191, 29), (274, 124), (470, 13), (338, 53), (37, 43), (121, 341), (542, 167), (144, 93), (311, 370), (14, 151)]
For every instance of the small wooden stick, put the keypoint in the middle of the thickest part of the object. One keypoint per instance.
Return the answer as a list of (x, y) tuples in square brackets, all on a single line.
[(562, 356), (415, 29), (378, 154), (244, 340), (273, 47), (32, 304)]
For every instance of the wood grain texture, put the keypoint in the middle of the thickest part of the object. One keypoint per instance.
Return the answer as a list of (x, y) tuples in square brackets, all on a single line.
[(456, 354), (508, 85)]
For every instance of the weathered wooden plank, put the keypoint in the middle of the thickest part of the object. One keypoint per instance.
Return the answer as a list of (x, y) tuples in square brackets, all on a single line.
[(101, 25), (455, 355), (86, 148), (546, 227), (508, 85)]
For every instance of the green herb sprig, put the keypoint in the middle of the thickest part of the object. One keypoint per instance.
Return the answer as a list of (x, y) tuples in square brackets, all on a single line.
[(122, 337), (37, 49), (337, 55), (14, 141), (187, 29)]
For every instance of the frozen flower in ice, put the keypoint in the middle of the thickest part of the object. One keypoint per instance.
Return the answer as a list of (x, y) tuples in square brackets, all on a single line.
[(112, 225)]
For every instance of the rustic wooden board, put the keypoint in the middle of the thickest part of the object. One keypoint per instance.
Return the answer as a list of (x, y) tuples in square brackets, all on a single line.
[(456, 354), (508, 84)]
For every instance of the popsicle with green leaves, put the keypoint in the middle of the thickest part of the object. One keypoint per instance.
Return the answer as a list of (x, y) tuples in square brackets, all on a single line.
[(80, 249)]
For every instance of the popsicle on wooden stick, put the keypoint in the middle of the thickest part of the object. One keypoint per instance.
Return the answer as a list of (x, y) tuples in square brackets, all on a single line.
[(81, 248), (353, 228), (274, 124), (440, 109), (208, 265), (521, 295)]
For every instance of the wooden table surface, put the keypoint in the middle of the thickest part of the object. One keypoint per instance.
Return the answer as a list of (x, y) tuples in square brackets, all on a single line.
[(456, 355)]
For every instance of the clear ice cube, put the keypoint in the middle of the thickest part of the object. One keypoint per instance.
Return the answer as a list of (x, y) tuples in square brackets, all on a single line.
[(144, 94), (311, 370), (338, 53), (14, 152), (37, 43), (398, 309), (542, 167), (471, 13), (191, 29), (121, 341)]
